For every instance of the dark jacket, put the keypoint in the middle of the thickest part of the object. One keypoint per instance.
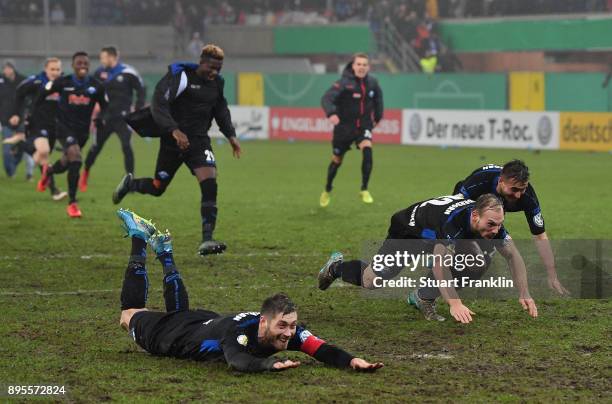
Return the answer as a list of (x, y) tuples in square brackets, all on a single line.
[(120, 83), (357, 102), (8, 90), (185, 101)]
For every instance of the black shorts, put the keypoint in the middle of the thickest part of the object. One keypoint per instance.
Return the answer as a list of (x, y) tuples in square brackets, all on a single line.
[(175, 333), (170, 157), (34, 131), (345, 136), (68, 136)]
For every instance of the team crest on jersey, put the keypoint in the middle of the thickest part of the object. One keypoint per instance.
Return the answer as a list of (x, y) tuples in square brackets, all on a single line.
[(44, 132), (120, 78), (91, 90), (538, 220), (243, 340), (69, 139), (48, 85), (371, 93)]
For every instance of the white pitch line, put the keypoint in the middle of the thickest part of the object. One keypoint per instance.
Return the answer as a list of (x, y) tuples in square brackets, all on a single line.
[(91, 256), (90, 291)]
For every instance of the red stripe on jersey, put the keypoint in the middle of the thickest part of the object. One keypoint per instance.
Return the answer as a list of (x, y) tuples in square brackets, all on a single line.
[(311, 345)]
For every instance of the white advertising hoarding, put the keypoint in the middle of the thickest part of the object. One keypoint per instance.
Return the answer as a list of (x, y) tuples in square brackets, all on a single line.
[(250, 122), (481, 128)]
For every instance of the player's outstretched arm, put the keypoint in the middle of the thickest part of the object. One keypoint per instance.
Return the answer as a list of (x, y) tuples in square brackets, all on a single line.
[(546, 254), (304, 341), (519, 275), (458, 310)]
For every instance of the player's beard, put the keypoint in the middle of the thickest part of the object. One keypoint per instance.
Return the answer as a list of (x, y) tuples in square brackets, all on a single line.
[(278, 342)]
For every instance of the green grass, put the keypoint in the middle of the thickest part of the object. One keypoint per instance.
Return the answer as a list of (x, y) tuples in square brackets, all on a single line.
[(278, 237)]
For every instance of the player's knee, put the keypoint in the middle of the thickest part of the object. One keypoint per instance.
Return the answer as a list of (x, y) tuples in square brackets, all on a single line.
[(73, 154), (337, 159), (364, 144), (208, 188), (367, 278)]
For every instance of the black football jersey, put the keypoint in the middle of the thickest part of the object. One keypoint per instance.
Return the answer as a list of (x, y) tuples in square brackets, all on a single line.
[(77, 99), (484, 180)]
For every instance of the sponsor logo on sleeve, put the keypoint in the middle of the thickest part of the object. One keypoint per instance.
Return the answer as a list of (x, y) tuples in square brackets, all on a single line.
[(538, 220), (304, 335)]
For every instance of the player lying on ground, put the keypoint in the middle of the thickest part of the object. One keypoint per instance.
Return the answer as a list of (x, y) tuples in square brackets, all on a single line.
[(511, 184), (246, 341), (445, 225)]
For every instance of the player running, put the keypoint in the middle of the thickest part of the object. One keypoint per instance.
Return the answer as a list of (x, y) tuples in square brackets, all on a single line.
[(354, 105), (40, 129), (120, 82), (246, 341), (185, 102), (441, 226), (78, 94), (511, 184)]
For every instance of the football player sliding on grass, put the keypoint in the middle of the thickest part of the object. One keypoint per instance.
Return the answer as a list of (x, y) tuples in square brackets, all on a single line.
[(246, 341)]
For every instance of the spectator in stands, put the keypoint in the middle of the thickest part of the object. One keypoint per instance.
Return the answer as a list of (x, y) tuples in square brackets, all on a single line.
[(429, 62), (58, 16), (195, 45)]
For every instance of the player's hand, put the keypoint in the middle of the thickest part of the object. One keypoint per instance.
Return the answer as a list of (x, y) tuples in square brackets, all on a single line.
[(334, 120), (181, 139), (461, 313), (14, 120), (236, 150), (363, 365), (283, 365), (555, 285), (530, 306)]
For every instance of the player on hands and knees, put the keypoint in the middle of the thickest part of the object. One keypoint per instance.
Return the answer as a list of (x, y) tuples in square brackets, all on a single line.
[(185, 102), (354, 105), (246, 340), (440, 226), (511, 184), (78, 95), (120, 82), (40, 130)]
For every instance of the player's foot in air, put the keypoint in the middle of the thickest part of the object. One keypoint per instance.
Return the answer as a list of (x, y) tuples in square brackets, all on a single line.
[(425, 306), (123, 188), (327, 275), (136, 226), (44, 180), (324, 199), (83, 181), (59, 195), (366, 197), (73, 210), (161, 243), (211, 247)]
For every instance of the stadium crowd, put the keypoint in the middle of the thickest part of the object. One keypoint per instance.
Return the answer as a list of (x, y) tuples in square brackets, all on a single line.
[(274, 12)]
